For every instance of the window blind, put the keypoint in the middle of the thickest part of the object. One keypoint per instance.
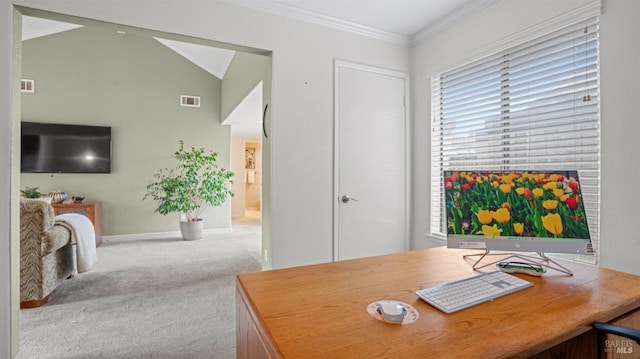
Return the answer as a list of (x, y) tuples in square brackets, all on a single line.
[(534, 106)]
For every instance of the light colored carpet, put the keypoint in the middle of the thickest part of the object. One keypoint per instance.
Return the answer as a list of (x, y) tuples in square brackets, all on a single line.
[(164, 298)]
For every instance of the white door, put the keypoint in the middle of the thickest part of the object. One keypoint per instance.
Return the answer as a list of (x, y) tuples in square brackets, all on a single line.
[(370, 188)]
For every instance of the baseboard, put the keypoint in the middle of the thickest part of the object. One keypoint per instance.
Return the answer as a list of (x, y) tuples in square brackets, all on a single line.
[(158, 235)]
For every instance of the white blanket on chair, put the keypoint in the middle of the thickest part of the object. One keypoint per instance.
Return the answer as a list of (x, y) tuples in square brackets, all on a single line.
[(83, 235)]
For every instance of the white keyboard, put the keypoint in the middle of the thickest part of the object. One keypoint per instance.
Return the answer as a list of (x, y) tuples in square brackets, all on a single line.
[(454, 296)]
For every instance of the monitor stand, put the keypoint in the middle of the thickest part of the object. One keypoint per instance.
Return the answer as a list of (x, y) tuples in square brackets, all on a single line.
[(541, 259)]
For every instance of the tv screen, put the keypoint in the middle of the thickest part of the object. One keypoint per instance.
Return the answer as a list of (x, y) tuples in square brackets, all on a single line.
[(63, 148), (530, 211)]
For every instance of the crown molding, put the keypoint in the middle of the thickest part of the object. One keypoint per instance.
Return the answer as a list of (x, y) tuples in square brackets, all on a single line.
[(457, 16), (280, 9), (292, 12)]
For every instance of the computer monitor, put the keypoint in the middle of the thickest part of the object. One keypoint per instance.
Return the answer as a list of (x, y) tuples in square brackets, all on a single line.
[(516, 211)]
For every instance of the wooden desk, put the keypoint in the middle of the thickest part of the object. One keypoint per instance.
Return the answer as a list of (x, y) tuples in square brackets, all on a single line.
[(319, 311)]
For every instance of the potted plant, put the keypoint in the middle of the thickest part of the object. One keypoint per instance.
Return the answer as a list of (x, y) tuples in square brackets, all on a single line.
[(193, 185), (31, 192)]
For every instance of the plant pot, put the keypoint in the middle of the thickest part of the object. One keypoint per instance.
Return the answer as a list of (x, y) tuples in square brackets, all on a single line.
[(192, 230)]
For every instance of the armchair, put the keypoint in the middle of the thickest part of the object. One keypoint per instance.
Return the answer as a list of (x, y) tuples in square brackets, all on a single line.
[(46, 255)]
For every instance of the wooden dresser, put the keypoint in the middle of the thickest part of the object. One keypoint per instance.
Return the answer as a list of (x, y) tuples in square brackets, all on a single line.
[(93, 211)]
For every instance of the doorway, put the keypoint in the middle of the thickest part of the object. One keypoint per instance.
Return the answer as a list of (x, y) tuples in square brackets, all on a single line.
[(147, 33), (246, 164), (246, 157)]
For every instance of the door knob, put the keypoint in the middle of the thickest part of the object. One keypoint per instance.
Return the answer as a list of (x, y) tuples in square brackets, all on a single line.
[(345, 198)]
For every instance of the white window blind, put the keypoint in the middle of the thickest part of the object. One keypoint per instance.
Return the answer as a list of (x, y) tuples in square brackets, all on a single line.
[(531, 107)]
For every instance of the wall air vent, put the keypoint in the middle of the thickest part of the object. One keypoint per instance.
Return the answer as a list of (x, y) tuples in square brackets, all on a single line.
[(189, 101), (27, 86)]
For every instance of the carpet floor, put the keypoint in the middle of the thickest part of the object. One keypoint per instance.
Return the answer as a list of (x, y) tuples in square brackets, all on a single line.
[(163, 298)]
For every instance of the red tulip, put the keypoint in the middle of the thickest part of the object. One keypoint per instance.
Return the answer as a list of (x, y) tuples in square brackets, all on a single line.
[(466, 186), (575, 187), (572, 202)]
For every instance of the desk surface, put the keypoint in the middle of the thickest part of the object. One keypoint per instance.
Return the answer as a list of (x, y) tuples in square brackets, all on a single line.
[(320, 310)]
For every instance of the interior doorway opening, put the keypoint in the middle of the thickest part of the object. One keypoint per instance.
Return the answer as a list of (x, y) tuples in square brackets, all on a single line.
[(246, 163), (246, 156), (253, 59)]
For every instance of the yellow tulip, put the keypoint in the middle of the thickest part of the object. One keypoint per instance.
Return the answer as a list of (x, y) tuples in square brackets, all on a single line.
[(506, 188), (550, 204), (508, 178), (558, 192), (538, 192), (490, 230), (484, 216), (518, 228), (520, 190), (553, 223), (502, 215)]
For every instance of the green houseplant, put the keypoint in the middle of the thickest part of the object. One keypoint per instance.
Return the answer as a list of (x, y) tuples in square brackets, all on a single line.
[(31, 192), (193, 185)]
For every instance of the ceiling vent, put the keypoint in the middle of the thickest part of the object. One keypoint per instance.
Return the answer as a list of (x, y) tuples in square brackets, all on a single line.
[(189, 101), (27, 86)]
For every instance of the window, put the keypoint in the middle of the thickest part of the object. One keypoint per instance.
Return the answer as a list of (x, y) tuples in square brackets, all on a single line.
[(534, 106)]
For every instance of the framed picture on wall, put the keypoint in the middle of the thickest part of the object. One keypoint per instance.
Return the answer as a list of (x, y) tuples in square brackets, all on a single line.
[(250, 158)]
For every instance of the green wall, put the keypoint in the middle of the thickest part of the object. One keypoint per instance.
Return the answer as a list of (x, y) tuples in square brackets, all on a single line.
[(132, 83), (244, 73)]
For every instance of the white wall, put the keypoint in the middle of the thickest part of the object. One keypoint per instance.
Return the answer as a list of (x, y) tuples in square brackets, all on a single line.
[(301, 108), (5, 181), (620, 56), (620, 73)]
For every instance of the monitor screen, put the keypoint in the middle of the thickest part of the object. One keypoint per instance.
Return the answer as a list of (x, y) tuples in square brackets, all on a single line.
[(530, 211), (63, 148)]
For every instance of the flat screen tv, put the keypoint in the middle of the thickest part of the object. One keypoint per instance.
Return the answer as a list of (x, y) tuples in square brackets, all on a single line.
[(64, 148), (526, 211)]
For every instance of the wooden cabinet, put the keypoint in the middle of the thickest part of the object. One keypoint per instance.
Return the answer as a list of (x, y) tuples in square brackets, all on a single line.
[(93, 211)]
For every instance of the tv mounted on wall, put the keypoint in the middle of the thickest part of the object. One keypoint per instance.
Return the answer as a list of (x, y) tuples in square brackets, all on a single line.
[(64, 148)]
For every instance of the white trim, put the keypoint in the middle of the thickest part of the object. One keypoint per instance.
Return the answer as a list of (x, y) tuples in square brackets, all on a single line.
[(336, 153), (580, 13), (159, 235), (456, 17), (292, 12), (437, 239)]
